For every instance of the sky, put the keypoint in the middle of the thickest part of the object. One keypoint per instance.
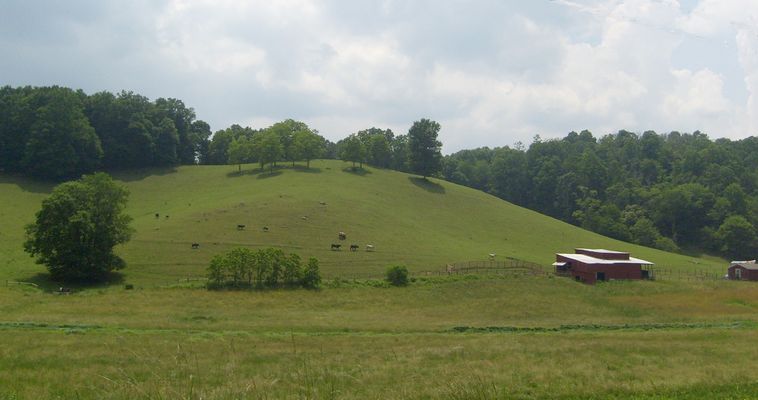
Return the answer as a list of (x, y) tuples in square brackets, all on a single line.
[(491, 72)]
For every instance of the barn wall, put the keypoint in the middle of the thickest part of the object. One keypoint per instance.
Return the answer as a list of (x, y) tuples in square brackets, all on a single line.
[(587, 272), (747, 274)]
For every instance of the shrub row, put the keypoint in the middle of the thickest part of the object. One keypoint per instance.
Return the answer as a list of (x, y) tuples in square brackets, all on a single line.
[(266, 268)]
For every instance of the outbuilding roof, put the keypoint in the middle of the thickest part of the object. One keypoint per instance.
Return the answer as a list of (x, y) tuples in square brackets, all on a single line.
[(602, 251), (751, 265), (583, 258)]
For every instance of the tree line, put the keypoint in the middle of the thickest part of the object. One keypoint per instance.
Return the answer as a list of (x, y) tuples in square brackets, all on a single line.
[(57, 133), (675, 191)]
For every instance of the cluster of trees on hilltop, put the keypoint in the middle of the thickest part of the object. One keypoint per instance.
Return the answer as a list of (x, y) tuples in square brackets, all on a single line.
[(58, 133), (669, 191), (417, 152), (287, 140)]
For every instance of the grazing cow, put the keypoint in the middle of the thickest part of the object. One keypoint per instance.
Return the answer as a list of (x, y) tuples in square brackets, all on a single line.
[(157, 215), (336, 246), (166, 216), (240, 227), (64, 290), (369, 247), (323, 203), (492, 256), (265, 229), (353, 247), (195, 245), (342, 235), (304, 217)]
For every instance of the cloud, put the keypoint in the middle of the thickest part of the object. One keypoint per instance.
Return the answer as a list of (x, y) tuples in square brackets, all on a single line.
[(491, 72)]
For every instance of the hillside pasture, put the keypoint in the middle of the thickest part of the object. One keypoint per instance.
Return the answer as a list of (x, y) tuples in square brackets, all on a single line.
[(422, 224)]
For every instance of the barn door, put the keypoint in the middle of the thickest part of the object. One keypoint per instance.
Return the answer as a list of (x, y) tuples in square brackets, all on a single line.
[(738, 273), (600, 276)]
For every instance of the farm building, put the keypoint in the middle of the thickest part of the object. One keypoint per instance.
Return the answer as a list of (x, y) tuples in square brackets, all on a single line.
[(743, 270), (592, 265)]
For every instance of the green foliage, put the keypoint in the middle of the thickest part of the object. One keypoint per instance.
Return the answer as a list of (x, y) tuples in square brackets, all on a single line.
[(241, 151), (307, 146), (57, 133), (269, 148), (311, 276), (352, 149), (78, 226), (672, 190), (264, 268), (424, 150), (60, 142), (397, 275), (737, 237)]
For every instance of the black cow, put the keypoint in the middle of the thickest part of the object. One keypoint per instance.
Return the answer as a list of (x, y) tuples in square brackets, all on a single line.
[(265, 229), (353, 247), (336, 246), (195, 245), (157, 215), (240, 227)]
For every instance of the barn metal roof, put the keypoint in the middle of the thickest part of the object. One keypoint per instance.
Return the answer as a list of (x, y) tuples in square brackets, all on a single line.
[(583, 258), (602, 251), (745, 264)]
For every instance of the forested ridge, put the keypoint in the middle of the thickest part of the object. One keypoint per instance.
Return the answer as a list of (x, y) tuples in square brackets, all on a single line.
[(671, 191), (58, 133)]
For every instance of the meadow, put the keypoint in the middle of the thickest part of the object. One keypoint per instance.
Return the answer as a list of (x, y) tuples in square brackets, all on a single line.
[(452, 337), (458, 337), (421, 224)]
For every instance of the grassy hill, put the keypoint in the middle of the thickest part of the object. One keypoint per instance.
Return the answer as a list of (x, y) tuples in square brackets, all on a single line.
[(424, 225), (451, 337)]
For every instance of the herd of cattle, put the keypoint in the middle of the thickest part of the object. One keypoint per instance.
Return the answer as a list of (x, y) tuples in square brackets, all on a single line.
[(335, 246), (353, 247)]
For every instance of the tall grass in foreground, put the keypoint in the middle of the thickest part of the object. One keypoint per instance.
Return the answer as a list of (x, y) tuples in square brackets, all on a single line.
[(646, 365)]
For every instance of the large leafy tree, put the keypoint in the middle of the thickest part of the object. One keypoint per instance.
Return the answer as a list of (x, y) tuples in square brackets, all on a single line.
[(352, 149), (424, 155), (269, 149), (61, 142), (77, 227), (241, 151), (307, 146)]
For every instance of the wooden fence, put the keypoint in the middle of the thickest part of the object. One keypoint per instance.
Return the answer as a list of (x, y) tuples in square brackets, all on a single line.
[(663, 273)]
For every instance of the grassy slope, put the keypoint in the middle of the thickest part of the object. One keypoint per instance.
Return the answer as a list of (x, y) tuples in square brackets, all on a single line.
[(423, 225), (362, 342)]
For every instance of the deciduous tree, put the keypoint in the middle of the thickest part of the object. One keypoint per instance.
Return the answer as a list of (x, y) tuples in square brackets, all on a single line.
[(424, 150), (77, 227)]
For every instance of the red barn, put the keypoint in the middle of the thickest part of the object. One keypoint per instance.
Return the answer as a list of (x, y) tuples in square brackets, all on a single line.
[(743, 270), (592, 265)]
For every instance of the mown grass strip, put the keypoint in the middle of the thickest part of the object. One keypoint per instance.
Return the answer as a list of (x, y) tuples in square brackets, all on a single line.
[(598, 327), (83, 328)]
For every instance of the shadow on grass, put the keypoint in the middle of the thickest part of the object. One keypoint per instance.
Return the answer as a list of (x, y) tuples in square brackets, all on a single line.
[(356, 171), (28, 184), (139, 174), (427, 185), (45, 283), (269, 174), (302, 168)]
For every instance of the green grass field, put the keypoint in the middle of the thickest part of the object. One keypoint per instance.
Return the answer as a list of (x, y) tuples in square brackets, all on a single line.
[(424, 225), (456, 337), (617, 340)]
